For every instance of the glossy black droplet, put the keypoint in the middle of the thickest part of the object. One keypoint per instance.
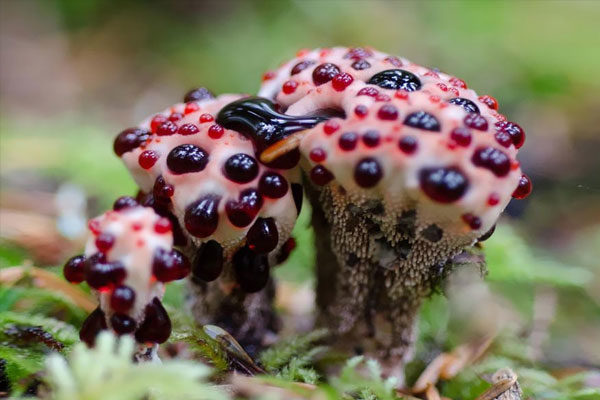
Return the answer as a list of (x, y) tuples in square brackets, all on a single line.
[(187, 158), (202, 216), (122, 324), (251, 270), (129, 139), (368, 172), (240, 168), (124, 202), (156, 327), (122, 299), (242, 212), (272, 185), (208, 262), (94, 323), (263, 235), (74, 269), (396, 79), (101, 274), (422, 120), (256, 118), (467, 104), (169, 265)]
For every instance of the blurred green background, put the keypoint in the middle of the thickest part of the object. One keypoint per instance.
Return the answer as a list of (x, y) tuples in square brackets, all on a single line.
[(74, 73)]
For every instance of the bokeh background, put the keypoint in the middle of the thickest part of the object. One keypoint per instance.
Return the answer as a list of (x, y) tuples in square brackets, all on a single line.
[(75, 73)]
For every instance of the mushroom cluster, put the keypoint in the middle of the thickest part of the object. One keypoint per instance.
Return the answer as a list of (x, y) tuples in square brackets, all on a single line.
[(405, 167), (127, 260)]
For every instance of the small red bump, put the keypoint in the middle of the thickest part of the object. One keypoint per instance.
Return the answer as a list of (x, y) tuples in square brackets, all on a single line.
[(473, 221), (289, 87), (489, 101), (268, 75), (342, 81), (166, 129), (435, 99), (523, 188), (188, 129), (215, 131), (147, 159), (191, 107), (368, 91), (515, 164), (361, 111), (94, 226), (174, 117), (388, 112), (454, 91), (206, 118), (493, 199), (401, 94), (157, 121), (330, 127), (443, 87), (317, 154), (104, 242), (163, 225), (458, 83), (140, 243), (382, 97), (137, 226), (302, 52), (432, 73)]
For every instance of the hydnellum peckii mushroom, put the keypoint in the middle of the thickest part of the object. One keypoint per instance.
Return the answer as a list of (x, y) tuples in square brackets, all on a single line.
[(127, 260), (417, 168), (233, 215)]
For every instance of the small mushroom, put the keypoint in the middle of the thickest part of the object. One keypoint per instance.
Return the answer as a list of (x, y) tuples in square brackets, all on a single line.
[(417, 169), (127, 260)]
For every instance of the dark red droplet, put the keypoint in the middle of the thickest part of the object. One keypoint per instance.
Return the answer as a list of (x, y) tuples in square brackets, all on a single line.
[(130, 139), (320, 175), (124, 202), (104, 242), (457, 82), (187, 158), (166, 129), (342, 81), (358, 53), (242, 212), (512, 129), (241, 168), (301, 66), (492, 159), (368, 91), (251, 270), (461, 136), (122, 299), (523, 188), (74, 269), (395, 61), (388, 112), (423, 120), (93, 324), (175, 116), (493, 199), (317, 154), (444, 185), (190, 108), (101, 274), (162, 191), (348, 141), (148, 158), (208, 262), (324, 73), (198, 94), (122, 324), (476, 121), (489, 101), (473, 221), (371, 138), (503, 138), (188, 129), (330, 127), (163, 225), (263, 235), (169, 265), (272, 185), (368, 172), (157, 121), (361, 111), (202, 216), (408, 144), (156, 327)]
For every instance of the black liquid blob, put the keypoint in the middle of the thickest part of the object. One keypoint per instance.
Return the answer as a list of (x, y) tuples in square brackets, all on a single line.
[(257, 119)]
